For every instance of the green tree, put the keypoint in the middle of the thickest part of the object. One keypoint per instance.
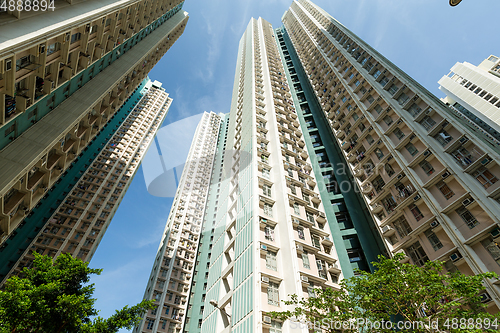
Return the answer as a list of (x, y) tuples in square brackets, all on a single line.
[(55, 296), (426, 296)]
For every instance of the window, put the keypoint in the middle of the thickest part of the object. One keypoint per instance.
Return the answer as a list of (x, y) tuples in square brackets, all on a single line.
[(417, 214), (300, 232), (443, 138), (485, 177), (305, 260), (149, 323), (377, 73), (379, 153), (433, 239), (310, 216), (411, 149), (266, 189), (393, 89), (389, 203), (370, 99), (378, 108), (293, 189), (296, 209), (403, 98), (399, 133), (388, 120), (321, 268), (271, 260), (467, 216), (75, 37), (23, 62), (427, 167), (268, 209), (273, 297), (384, 81), (275, 327), (269, 233), (417, 254), (445, 189), (427, 123), (53, 48), (316, 242), (414, 110), (378, 184), (492, 248), (265, 173), (390, 171), (370, 139)]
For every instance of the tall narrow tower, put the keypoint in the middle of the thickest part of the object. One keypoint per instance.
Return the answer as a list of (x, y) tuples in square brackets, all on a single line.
[(171, 278), (270, 236)]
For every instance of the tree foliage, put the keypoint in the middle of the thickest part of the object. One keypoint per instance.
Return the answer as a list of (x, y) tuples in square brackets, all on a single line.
[(55, 296), (427, 297)]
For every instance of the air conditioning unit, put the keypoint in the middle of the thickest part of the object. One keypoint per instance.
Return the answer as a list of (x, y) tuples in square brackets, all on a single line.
[(445, 175), (412, 137), (401, 175), (485, 297), (266, 319), (265, 279), (263, 247), (427, 153), (485, 161), (434, 224), (386, 229), (304, 278), (463, 140), (428, 111), (495, 232), (455, 256), (399, 121), (415, 198), (300, 248), (467, 202)]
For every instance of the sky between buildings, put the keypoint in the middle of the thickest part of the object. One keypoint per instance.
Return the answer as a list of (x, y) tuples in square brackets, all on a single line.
[(425, 38)]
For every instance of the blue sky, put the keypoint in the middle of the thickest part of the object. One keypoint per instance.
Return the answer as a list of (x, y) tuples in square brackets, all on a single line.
[(425, 38)]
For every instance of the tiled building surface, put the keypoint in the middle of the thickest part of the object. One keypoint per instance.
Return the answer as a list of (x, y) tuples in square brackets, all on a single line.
[(430, 178), (81, 219)]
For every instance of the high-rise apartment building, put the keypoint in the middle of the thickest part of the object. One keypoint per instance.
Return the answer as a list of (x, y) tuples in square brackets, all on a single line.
[(171, 278), (429, 177), (67, 80), (269, 236), (474, 93), (82, 216)]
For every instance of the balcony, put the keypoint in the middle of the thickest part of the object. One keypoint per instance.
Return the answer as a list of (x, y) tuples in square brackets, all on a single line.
[(52, 160)]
